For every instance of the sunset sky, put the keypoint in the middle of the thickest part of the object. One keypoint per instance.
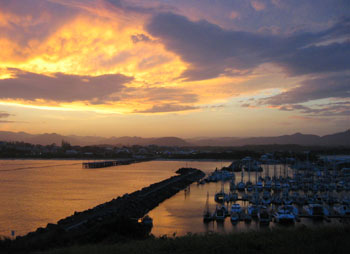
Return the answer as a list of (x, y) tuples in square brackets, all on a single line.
[(186, 68)]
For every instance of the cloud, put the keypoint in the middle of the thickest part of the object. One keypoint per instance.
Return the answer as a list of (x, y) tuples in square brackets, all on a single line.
[(140, 38), (309, 119), (143, 7), (5, 121), (163, 108), (31, 21), (212, 51), (152, 61), (62, 87), (161, 95), (330, 109), (313, 89), (4, 114), (317, 59), (118, 58), (293, 107), (258, 5), (234, 15), (278, 3)]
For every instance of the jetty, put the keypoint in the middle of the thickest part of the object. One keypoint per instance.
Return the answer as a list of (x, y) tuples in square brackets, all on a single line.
[(118, 219), (112, 163)]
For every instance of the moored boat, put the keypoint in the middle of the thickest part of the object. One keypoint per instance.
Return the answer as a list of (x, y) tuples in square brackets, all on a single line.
[(234, 217), (220, 213), (207, 215), (342, 210), (316, 211), (264, 216), (236, 208), (284, 215)]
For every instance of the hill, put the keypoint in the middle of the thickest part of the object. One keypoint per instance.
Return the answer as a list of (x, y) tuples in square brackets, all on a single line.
[(336, 139), (49, 138)]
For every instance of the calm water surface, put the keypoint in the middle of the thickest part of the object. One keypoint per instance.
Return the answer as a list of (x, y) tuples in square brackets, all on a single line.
[(183, 213), (36, 192)]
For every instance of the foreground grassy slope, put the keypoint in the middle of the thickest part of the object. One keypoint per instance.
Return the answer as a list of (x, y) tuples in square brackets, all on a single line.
[(293, 240)]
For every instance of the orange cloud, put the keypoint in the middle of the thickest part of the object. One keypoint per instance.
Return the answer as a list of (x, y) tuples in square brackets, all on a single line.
[(99, 39), (257, 5)]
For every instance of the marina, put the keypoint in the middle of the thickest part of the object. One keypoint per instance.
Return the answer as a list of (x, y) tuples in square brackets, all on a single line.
[(291, 194), (268, 197), (299, 192)]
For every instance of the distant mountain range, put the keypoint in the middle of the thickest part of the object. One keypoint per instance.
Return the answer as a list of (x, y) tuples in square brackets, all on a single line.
[(50, 138), (337, 139)]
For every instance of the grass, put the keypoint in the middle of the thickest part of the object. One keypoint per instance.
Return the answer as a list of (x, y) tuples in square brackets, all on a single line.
[(288, 240)]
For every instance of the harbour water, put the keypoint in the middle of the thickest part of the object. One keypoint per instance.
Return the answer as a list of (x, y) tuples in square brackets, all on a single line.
[(36, 192)]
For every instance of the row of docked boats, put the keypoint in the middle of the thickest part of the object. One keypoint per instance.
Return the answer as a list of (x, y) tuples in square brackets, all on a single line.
[(284, 214), (308, 192)]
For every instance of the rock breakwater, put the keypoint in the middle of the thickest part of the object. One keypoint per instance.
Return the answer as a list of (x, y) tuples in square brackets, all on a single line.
[(112, 221)]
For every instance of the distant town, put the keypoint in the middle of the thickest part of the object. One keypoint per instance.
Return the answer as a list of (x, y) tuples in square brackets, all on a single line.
[(66, 150)]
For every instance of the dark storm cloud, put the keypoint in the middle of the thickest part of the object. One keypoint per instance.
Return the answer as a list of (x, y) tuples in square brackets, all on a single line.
[(212, 51), (313, 89), (62, 87)]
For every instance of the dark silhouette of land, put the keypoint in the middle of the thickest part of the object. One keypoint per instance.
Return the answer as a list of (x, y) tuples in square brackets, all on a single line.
[(336, 139)]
